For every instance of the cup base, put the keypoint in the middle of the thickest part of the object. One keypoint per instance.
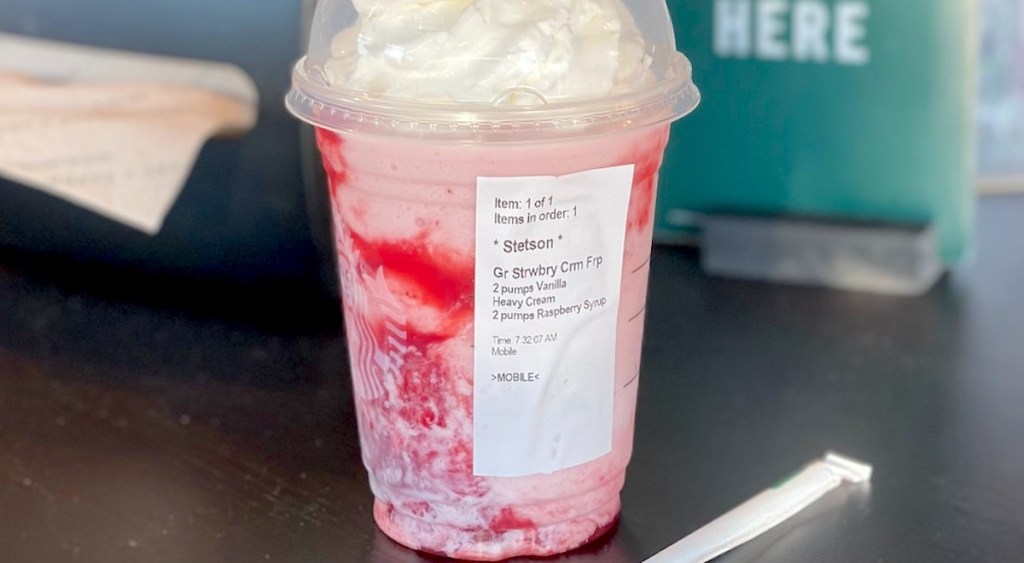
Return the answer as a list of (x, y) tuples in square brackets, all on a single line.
[(487, 545)]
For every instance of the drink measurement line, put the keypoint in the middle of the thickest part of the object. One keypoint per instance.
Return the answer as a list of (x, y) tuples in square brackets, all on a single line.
[(633, 380), (644, 265)]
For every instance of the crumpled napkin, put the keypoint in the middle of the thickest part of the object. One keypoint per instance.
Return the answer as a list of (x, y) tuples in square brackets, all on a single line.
[(120, 145)]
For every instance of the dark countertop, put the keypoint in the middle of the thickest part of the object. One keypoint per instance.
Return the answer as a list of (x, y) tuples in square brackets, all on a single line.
[(144, 421)]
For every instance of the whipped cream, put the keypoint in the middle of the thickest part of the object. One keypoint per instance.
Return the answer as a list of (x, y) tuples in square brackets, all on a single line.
[(496, 51)]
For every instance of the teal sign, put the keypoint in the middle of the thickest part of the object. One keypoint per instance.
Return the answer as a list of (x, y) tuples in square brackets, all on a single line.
[(836, 108)]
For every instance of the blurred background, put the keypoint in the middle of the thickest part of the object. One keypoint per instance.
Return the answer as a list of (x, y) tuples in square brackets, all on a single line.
[(897, 114), (243, 217), (1001, 109)]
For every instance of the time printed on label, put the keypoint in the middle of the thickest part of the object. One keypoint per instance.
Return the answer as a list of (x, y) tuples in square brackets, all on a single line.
[(548, 269)]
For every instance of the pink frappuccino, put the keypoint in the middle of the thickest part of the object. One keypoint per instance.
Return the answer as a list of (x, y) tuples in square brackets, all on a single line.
[(494, 258), (404, 224)]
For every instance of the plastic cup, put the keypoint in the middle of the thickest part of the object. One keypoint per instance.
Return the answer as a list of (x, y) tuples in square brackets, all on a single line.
[(494, 259)]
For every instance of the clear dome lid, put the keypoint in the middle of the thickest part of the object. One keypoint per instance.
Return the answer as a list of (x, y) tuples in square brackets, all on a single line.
[(491, 70)]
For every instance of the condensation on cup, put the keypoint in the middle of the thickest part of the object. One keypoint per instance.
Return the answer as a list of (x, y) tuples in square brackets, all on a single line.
[(493, 168)]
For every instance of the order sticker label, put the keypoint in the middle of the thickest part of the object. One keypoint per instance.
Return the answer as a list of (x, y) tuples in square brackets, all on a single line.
[(548, 273)]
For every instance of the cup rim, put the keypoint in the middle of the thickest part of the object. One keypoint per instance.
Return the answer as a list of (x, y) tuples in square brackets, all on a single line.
[(668, 100)]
